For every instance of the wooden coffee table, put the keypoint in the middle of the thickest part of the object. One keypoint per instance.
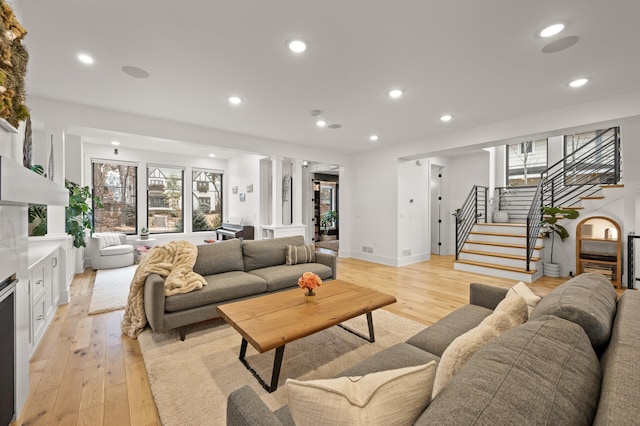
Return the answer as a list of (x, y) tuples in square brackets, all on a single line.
[(271, 321)]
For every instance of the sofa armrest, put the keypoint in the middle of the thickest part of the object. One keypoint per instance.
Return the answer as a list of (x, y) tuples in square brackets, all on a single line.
[(330, 260), (154, 301), (487, 296), (244, 407)]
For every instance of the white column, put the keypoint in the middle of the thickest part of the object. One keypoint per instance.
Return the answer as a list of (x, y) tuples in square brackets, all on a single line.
[(55, 144), (296, 192), (276, 196)]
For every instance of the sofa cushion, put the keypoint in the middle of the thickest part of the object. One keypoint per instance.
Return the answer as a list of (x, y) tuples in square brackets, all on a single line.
[(116, 250), (529, 297), (509, 313), (438, 337), (619, 402), (220, 288), (588, 300), (300, 254), (223, 256), (264, 253), (283, 276), (544, 372), (387, 397)]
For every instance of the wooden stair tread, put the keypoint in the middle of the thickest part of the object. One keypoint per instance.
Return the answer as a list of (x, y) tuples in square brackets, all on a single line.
[(593, 197), (613, 185), (493, 266), (490, 243), (504, 255)]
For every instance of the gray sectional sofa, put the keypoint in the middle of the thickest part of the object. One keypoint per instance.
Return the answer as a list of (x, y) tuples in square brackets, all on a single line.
[(574, 362), (234, 270)]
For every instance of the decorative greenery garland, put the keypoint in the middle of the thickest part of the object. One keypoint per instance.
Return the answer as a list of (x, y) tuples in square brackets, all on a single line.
[(13, 67)]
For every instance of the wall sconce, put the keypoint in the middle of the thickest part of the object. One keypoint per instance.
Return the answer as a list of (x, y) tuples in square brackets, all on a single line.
[(250, 187), (234, 189)]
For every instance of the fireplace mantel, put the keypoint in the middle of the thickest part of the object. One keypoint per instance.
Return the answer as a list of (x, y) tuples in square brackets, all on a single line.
[(23, 186)]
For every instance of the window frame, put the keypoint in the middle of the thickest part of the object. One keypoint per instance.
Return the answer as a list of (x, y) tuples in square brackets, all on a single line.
[(134, 189), (154, 181)]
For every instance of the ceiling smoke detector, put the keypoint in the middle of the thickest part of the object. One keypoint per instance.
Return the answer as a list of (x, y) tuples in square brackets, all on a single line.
[(334, 126), (316, 113)]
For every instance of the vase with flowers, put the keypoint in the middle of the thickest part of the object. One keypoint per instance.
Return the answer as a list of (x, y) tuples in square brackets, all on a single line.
[(309, 280)]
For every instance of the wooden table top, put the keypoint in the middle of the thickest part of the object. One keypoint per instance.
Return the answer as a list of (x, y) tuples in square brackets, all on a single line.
[(276, 319)]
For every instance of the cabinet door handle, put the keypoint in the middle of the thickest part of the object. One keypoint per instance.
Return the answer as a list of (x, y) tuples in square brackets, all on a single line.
[(39, 317), (38, 282), (54, 262)]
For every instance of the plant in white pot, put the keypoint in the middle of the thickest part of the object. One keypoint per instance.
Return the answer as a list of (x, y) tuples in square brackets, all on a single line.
[(551, 228), (326, 221)]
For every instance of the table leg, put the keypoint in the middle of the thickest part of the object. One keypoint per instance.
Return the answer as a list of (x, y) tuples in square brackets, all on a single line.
[(371, 338), (277, 364)]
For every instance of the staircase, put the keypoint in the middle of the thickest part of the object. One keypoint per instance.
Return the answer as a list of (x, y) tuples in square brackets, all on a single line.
[(500, 250), (585, 180)]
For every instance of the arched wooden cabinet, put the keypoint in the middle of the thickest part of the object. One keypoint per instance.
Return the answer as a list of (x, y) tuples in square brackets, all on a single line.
[(599, 248)]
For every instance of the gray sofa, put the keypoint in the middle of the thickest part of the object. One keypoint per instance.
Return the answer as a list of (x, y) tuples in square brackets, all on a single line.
[(574, 362), (234, 270)]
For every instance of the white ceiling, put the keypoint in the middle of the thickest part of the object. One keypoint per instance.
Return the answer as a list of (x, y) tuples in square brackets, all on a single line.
[(480, 61)]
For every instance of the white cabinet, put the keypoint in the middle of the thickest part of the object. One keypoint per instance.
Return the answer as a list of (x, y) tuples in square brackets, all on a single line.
[(43, 291)]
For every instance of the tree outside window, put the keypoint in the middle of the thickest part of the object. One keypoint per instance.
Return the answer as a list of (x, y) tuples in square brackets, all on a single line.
[(525, 161), (115, 184), (206, 200)]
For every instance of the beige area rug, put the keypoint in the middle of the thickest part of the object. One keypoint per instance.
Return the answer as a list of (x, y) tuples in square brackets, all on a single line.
[(331, 244), (111, 289), (190, 380)]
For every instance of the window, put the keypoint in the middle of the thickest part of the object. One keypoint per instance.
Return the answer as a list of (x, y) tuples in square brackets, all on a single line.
[(207, 200), (590, 158), (525, 161), (115, 183), (164, 199)]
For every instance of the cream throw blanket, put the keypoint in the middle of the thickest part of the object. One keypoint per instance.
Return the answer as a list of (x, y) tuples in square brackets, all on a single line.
[(173, 262)]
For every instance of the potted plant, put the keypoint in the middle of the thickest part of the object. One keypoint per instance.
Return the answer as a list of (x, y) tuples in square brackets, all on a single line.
[(144, 233), (78, 213), (549, 222), (326, 221)]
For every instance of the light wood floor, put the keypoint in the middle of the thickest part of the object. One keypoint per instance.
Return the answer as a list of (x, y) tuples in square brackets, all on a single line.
[(85, 372)]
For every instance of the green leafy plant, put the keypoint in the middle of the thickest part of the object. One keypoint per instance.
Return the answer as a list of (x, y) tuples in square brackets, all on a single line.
[(78, 213), (328, 219), (550, 217)]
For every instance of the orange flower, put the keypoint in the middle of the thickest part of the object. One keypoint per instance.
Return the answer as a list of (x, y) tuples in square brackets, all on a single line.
[(309, 280)]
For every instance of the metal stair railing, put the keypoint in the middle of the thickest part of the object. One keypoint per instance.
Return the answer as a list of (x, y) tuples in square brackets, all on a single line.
[(577, 175), (473, 209)]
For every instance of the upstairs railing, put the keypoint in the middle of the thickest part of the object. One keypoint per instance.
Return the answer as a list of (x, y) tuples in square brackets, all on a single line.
[(473, 210), (577, 175), (516, 201)]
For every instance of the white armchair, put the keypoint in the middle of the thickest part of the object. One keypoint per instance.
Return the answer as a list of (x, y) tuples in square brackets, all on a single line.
[(110, 250)]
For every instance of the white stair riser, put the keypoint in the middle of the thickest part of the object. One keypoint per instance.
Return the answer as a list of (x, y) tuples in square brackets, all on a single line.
[(504, 261), (516, 230), (502, 239), (499, 249), (516, 276)]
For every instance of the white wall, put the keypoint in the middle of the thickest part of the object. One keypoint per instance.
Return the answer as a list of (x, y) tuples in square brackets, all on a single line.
[(243, 170), (413, 212), (73, 166)]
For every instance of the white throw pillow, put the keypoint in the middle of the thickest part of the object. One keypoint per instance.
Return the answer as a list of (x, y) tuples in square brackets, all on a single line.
[(529, 297), (108, 240), (509, 313), (395, 397)]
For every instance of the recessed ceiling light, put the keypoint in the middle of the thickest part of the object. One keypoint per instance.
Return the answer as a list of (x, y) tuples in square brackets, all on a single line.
[(212, 155), (579, 82), (373, 138), (115, 143), (446, 117), (234, 100), (396, 93), (85, 59), (551, 30), (321, 123), (297, 46)]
